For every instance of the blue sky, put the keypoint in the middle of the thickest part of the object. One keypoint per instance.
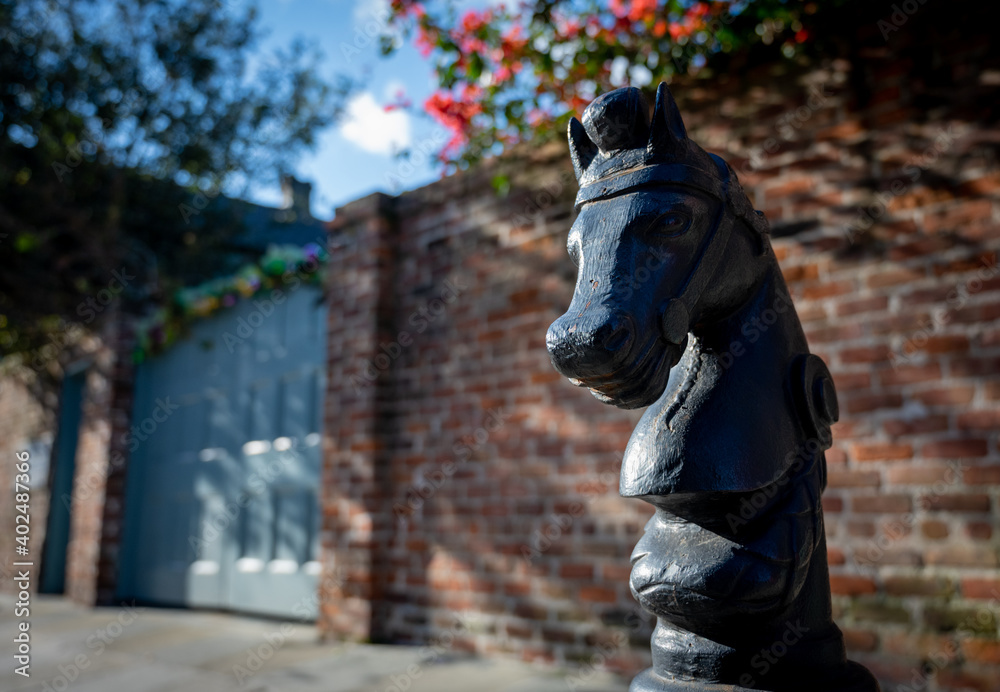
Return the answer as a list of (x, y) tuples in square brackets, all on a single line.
[(355, 157)]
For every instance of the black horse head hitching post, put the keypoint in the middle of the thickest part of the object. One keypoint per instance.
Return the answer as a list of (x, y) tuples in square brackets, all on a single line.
[(680, 306)]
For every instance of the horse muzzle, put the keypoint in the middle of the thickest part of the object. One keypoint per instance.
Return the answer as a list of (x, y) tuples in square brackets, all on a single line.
[(603, 351)]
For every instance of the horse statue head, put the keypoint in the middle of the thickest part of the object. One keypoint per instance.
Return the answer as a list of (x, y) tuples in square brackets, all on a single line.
[(680, 307)]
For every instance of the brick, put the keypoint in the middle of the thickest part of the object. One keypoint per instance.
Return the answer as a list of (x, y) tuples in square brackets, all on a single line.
[(854, 380), (962, 680), (934, 529), (945, 396), (860, 640), (835, 456), (981, 651), (802, 272), (859, 306), (936, 587), (824, 335), (865, 354), (908, 474), (916, 426), (598, 594), (920, 247), (979, 530), (882, 504), (860, 529), (853, 479), (987, 589), (961, 556), (910, 374), (872, 402), (979, 420), (826, 290), (895, 276), (881, 451), (959, 217), (975, 367), (981, 260), (954, 449), (576, 571), (787, 188), (959, 619), (956, 343), (956, 502), (848, 585), (982, 475), (879, 611)]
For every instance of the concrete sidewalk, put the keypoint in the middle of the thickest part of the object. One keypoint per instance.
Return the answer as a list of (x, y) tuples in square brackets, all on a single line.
[(161, 650)]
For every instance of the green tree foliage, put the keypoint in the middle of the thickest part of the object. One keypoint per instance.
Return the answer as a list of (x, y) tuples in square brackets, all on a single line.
[(119, 119)]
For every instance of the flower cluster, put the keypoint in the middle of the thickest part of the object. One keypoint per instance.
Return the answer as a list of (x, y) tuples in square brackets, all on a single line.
[(507, 74)]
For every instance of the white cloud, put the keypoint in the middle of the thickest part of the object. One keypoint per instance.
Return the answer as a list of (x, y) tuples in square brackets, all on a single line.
[(369, 127), (367, 10)]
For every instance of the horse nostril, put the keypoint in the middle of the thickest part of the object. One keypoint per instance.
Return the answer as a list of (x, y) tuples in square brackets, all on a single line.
[(617, 339)]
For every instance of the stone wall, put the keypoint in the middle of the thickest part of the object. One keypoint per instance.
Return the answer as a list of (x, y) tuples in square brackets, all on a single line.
[(465, 476)]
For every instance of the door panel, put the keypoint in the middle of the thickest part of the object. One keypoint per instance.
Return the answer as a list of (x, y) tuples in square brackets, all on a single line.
[(222, 501)]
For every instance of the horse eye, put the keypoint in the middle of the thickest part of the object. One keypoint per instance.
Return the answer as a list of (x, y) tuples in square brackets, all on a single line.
[(670, 224)]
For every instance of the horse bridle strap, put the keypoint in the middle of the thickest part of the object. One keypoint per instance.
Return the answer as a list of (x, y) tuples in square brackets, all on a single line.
[(677, 315), (646, 176)]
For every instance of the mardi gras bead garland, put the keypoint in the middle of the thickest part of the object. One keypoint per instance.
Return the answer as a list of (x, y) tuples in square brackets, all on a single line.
[(279, 265)]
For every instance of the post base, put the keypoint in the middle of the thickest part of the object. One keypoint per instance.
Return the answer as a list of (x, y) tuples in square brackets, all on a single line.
[(855, 678)]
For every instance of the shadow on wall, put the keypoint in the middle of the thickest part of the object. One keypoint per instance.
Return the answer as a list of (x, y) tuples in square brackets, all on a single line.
[(486, 485)]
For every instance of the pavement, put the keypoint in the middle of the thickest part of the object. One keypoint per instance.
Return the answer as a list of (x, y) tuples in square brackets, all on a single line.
[(161, 650)]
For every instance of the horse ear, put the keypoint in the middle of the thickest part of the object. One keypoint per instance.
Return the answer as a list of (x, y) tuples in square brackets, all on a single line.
[(667, 129), (581, 149)]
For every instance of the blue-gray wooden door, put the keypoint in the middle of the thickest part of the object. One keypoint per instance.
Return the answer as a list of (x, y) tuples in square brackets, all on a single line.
[(222, 505)]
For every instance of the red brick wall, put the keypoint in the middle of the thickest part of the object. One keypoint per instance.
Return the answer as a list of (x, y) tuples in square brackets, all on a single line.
[(451, 506), (23, 419), (101, 465)]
